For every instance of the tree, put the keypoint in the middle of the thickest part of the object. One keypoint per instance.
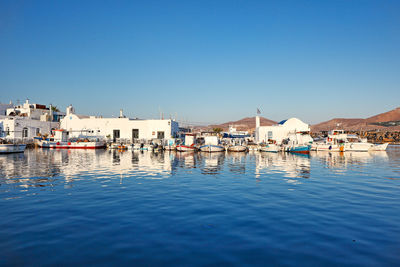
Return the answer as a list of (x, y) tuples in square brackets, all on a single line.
[(54, 108), (217, 130)]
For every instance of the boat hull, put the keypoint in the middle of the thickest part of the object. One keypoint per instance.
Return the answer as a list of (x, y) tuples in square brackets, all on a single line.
[(12, 148), (360, 147), (212, 148), (299, 149), (183, 148), (381, 147), (72, 145), (269, 148), (328, 147), (238, 148)]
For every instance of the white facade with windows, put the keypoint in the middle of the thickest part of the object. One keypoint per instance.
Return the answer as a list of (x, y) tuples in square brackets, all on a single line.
[(27, 120), (280, 131), (24, 128), (117, 128)]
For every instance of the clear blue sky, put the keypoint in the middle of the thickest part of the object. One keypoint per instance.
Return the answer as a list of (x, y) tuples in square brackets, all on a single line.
[(207, 61)]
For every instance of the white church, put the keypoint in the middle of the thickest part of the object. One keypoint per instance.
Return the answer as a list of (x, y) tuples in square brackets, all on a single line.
[(282, 130)]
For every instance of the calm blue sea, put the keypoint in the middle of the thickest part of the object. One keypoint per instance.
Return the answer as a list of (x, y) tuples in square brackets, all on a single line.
[(141, 208)]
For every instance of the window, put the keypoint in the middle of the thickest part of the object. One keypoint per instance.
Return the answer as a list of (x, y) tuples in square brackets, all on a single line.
[(269, 134), (37, 131), (25, 132), (8, 131)]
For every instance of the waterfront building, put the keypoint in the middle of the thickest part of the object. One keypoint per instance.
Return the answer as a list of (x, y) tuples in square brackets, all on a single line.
[(117, 128), (28, 120), (282, 130)]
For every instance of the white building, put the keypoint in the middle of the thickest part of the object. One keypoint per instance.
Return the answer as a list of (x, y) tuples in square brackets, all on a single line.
[(280, 131), (35, 112), (117, 128), (13, 127), (27, 121)]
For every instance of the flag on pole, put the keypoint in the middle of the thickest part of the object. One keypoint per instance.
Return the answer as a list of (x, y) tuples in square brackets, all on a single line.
[(258, 111)]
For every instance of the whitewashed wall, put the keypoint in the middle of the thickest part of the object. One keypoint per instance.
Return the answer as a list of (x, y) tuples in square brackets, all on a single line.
[(15, 125), (280, 131), (103, 127)]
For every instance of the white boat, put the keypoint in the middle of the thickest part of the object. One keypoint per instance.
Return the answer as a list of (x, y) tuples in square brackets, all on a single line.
[(269, 148), (211, 144), (379, 147), (237, 148), (329, 144), (237, 145), (349, 141), (12, 148), (60, 141)]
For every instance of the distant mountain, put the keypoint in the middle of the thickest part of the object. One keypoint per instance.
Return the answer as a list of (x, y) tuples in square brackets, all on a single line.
[(379, 121), (393, 115), (245, 124)]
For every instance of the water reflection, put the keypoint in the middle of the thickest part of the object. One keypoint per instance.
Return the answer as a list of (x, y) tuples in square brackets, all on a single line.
[(290, 165), (339, 162), (39, 168), (212, 163)]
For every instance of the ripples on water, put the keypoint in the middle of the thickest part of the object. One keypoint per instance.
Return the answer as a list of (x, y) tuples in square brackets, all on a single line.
[(109, 207)]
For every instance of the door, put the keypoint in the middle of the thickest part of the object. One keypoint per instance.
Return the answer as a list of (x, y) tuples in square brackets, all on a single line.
[(135, 134), (160, 135), (115, 135)]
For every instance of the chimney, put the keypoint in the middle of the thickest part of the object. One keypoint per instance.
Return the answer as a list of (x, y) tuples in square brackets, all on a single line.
[(121, 113)]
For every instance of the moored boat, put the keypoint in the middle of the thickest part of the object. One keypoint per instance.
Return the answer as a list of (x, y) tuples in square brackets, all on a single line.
[(379, 147), (188, 145), (12, 148), (237, 148), (301, 149), (237, 145), (60, 141), (269, 148), (211, 144)]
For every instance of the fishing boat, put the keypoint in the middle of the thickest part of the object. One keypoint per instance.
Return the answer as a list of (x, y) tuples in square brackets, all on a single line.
[(297, 142), (237, 148), (301, 149), (60, 141), (329, 144), (269, 148), (353, 142), (188, 145), (212, 144), (237, 145), (7, 148)]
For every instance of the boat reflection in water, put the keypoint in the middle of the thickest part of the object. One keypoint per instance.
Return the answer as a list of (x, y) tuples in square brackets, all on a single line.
[(42, 167), (212, 163), (339, 162), (288, 164)]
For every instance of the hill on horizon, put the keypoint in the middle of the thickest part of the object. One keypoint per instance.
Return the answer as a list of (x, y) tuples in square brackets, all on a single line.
[(355, 124), (245, 124)]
